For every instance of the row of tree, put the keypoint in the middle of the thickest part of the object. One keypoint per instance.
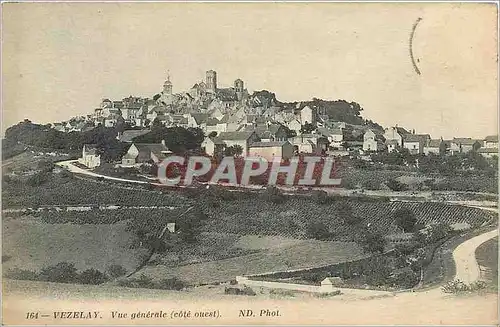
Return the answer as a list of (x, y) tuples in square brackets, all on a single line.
[(26, 133)]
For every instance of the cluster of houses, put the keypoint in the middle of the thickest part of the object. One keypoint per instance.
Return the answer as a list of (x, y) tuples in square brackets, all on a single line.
[(258, 124)]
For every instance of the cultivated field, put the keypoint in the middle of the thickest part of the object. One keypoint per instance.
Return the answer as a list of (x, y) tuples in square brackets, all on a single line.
[(290, 218)]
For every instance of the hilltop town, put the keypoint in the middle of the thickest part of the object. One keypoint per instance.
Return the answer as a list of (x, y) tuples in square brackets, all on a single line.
[(261, 125)]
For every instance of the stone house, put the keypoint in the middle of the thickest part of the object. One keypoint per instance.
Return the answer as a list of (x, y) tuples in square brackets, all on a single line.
[(464, 145), (310, 143), (373, 141), (268, 132), (435, 146), (335, 136)]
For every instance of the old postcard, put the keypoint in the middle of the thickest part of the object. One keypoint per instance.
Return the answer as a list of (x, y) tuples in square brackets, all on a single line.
[(249, 163)]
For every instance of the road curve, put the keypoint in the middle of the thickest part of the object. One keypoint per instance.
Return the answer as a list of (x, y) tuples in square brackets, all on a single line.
[(467, 269)]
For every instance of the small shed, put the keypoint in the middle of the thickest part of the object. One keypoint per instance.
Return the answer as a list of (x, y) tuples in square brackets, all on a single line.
[(331, 281), (171, 227), (330, 284)]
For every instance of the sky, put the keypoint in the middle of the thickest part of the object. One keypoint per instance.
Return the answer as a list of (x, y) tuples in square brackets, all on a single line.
[(60, 59)]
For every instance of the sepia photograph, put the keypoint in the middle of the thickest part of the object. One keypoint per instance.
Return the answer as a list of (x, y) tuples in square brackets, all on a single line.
[(249, 163)]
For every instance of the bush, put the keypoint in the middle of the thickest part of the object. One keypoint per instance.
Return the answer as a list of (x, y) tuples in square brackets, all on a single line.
[(66, 174), (92, 276), (274, 195), (329, 294), (394, 185), (171, 284), (320, 197), (371, 184), (45, 166), (405, 219), (38, 179), (454, 286), (237, 291), (281, 292), (22, 274), (116, 271), (63, 272)]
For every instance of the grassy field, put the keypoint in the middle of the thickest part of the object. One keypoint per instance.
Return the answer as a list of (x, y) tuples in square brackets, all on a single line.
[(487, 258), (274, 254), (31, 244)]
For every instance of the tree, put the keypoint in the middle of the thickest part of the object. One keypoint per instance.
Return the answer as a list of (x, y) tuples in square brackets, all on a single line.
[(289, 133), (234, 150), (177, 139), (374, 242), (212, 134), (405, 219), (307, 128), (318, 231), (92, 276), (321, 197), (190, 225), (116, 271), (156, 125)]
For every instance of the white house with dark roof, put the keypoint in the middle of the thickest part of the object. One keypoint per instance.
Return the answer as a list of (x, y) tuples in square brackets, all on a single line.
[(307, 115), (491, 141), (394, 137), (490, 147), (334, 135), (415, 142)]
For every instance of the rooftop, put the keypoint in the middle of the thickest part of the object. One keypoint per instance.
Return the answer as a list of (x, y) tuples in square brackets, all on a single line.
[(268, 144)]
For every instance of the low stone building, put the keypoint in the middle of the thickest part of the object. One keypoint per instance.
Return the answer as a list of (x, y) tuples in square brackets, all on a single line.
[(140, 153), (272, 150)]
